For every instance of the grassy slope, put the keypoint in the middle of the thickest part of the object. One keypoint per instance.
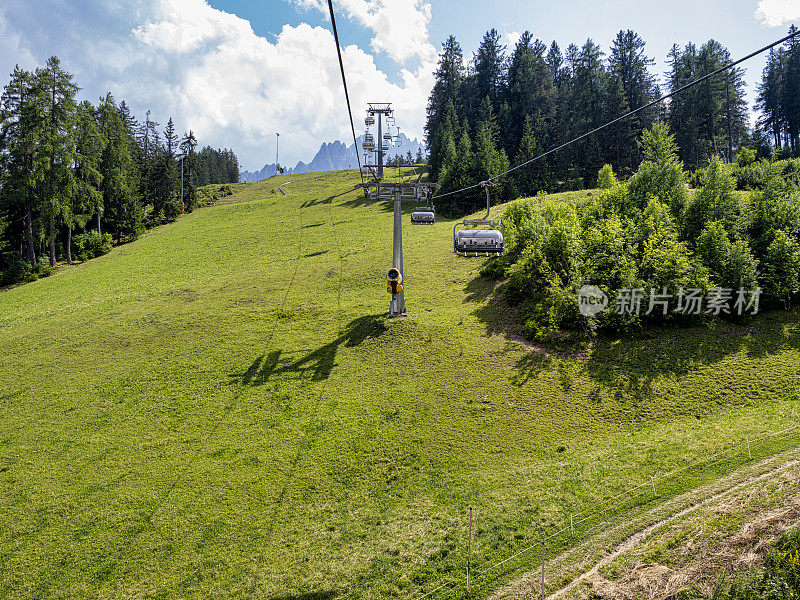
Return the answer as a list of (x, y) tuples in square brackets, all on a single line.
[(220, 410)]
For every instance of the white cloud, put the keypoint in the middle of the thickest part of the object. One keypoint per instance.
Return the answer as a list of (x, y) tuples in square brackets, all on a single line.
[(510, 38), (213, 74), (400, 27), (12, 49), (775, 13)]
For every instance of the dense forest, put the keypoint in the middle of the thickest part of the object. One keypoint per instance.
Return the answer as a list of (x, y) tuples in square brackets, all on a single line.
[(75, 177), (503, 109)]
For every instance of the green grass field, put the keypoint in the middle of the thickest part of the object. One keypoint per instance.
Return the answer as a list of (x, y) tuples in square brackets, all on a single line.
[(220, 409)]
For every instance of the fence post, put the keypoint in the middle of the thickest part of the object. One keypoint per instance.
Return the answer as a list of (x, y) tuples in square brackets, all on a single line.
[(542, 568), (653, 481), (750, 456), (571, 526), (469, 554)]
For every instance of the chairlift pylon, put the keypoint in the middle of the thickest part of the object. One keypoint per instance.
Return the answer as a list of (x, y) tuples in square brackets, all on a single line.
[(486, 240)]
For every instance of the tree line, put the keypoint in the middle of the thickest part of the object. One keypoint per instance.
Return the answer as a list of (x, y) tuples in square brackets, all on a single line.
[(502, 109), (779, 96), (399, 160), (68, 166)]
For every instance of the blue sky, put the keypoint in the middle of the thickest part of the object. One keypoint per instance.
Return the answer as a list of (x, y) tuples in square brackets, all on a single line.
[(237, 71)]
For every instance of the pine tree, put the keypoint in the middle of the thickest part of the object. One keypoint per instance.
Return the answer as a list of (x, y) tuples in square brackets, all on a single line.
[(536, 176), (58, 97), (170, 139), (628, 68), (21, 141), (531, 91), (445, 94), (790, 96), (188, 145), (120, 171), (86, 194), (489, 65)]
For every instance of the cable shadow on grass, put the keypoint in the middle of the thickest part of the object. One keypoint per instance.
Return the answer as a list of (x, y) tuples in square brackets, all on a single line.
[(318, 364)]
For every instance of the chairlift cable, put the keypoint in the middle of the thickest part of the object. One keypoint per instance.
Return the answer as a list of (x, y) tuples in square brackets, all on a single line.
[(630, 113), (344, 83)]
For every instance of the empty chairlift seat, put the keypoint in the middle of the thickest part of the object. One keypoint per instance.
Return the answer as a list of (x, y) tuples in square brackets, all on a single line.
[(488, 238), (423, 215), (479, 241)]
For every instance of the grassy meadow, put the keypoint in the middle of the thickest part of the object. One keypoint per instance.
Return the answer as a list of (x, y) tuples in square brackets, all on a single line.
[(220, 409)]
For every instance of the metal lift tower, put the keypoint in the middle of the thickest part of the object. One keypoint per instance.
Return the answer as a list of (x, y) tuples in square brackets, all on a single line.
[(399, 193), (381, 110)]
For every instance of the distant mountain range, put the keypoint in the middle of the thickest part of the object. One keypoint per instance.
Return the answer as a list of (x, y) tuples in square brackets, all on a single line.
[(333, 156)]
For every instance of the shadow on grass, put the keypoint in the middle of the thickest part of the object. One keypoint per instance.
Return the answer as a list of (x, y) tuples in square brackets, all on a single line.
[(318, 363), (631, 364), (479, 289), (307, 596), (328, 200), (362, 200)]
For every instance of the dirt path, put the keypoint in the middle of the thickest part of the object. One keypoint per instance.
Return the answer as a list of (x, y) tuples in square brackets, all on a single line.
[(527, 586), (632, 541)]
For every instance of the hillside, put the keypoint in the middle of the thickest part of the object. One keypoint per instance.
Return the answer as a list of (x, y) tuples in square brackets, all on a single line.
[(220, 409)]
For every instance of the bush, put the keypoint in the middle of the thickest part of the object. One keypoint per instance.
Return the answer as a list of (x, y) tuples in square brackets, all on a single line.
[(740, 269), (17, 271), (606, 178), (746, 157), (89, 245), (715, 201), (781, 266), (172, 210), (712, 248)]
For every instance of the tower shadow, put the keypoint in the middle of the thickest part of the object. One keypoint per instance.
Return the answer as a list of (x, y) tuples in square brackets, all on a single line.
[(318, 364)]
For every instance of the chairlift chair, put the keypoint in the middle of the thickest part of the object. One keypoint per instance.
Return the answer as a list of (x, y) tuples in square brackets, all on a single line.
[(370, 120), (488, 239), (423, 215)]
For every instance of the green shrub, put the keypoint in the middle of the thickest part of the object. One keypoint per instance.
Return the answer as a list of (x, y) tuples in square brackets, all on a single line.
[(172, 210), (715, 201), (745, 158), (606, 178), (86, 246), (782, 269), (712, 248), (17, 271), (740, 269)]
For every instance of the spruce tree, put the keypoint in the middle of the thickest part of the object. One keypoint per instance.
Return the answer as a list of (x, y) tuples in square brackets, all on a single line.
[(57, 94)]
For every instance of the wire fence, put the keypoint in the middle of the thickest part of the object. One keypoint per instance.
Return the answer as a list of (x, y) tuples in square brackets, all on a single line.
[(631, 498)]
